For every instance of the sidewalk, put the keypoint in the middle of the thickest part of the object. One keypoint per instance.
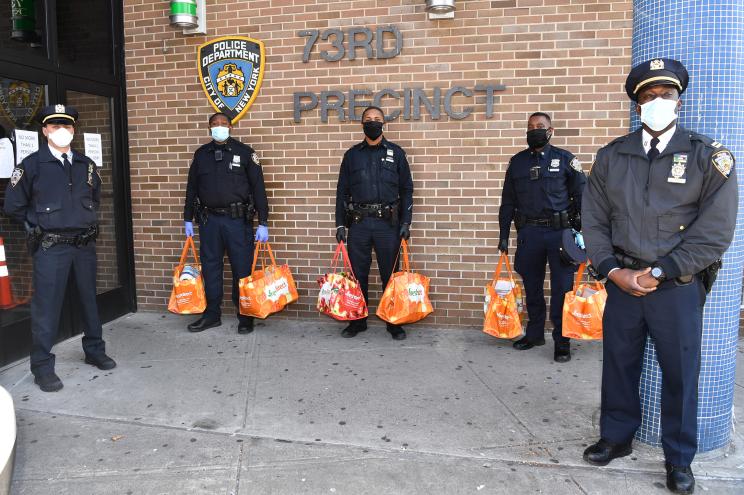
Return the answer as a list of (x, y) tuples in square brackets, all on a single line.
[(294, 409)]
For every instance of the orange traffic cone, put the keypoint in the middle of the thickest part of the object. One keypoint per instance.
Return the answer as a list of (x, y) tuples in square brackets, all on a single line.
[(6, 293)]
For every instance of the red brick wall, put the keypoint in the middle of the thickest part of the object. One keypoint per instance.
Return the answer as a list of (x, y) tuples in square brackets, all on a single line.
[(565, 57)]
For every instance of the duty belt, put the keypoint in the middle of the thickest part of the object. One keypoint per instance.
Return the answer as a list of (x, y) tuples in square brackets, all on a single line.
[(49, 239), (542, 222), (218, 211), (626, 261)]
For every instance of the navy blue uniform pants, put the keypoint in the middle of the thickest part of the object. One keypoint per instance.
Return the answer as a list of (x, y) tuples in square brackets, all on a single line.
[(535, 246), (221, 233), (51, 273), (385, 239), (673, 317)]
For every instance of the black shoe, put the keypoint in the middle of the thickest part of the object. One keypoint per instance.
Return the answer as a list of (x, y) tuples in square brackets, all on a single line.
[(602, 452), (49, 382), (396, 332), (524, 343), (680, 478), (102, 362), (562, 353), (352, 330), (203, 323), (245, 327)]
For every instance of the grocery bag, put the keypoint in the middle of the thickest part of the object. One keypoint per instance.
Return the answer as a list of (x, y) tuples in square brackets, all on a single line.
[(583, 308), (406, 297), (187, 296), (340, 294), (267, 290), (503, 304)]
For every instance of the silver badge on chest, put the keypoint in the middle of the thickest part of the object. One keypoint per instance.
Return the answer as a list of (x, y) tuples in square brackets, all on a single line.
[(678, 173)]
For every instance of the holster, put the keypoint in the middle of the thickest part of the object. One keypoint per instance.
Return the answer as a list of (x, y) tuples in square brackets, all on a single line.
[(709, 274), (555, 220), (519, 219), (33, 239), (565, 223)]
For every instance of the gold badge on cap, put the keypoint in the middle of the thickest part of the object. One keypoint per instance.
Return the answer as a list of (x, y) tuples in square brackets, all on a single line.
[(657, 64), (59, 108)]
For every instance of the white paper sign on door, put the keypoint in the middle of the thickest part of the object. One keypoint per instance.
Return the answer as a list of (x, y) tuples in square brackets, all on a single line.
[(27, 142), (7, 162), (93, 147)]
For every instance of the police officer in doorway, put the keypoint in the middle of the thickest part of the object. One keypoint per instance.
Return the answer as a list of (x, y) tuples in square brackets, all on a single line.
[(55, 192), (374, 200), (542, 194), (224, 191), (659, 212)]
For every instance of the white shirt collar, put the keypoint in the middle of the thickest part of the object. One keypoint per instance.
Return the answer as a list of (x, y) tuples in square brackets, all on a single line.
[(663, 139), (58, 154)]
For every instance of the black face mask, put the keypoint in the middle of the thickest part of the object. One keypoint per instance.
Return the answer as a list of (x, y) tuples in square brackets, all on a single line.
[(537, 138), (372, 129)]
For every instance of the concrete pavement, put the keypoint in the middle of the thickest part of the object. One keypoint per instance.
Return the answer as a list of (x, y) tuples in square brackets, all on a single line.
[(295, 409)]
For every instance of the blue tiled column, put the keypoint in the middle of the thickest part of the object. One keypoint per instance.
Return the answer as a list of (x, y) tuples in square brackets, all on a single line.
[(708, 37)]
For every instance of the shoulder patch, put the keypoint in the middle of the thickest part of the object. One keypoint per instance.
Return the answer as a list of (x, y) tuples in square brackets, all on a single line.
[(723, 161), (255, 159), (576, 165), (16, 176)]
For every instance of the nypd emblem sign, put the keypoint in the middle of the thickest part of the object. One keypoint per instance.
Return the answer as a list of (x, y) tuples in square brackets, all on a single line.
[(231, 70)]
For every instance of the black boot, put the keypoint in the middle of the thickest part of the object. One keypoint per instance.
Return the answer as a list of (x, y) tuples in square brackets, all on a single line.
[(245, 325), (602, 452), (524, 343), (49, 382), (354, 328), (203, 323), (680, 478), (396, 331)]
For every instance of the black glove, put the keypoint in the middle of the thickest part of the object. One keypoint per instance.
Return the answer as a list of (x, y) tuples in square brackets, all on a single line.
[(405, 231), (576, 221), (341, 234), (504, 246)]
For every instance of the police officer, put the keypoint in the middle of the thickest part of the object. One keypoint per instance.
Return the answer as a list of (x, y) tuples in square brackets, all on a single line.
[(659, 211), (225, 187), (374, 199), (542, 194), (55, 192)]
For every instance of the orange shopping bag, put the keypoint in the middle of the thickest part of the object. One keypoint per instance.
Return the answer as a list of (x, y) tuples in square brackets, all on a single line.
[(341, 295), (583, 308), (267, 290), (406, 297), (187, 296), (502, 307)]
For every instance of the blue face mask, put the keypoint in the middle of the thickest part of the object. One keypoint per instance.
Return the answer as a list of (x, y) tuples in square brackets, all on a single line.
[(220, 133)]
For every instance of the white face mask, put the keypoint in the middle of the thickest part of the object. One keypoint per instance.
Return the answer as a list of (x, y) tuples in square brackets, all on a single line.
[(61, 137), (658, 113)]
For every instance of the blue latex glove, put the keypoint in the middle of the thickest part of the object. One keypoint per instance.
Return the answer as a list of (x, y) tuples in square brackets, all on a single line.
[(189, 229), (262, 233)]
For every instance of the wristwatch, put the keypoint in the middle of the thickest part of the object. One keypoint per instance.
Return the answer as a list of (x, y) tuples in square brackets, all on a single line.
[(658, 273)]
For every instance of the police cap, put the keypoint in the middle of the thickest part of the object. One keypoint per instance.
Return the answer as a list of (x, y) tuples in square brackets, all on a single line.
[(57, 114), (655, 72)]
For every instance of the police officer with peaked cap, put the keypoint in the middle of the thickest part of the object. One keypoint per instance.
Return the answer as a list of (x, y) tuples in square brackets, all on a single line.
[(659, 212), (225, 188), (374, 199), (55, 192), (542, 195)]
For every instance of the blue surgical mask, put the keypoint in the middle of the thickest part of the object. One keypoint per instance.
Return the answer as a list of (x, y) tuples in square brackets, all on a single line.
[(220, 133)]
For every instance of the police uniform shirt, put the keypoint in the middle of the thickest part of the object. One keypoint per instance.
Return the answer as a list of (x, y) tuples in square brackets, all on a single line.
[(678, 210), (559, 183), (43, 192), (375, 175), (236, 178)]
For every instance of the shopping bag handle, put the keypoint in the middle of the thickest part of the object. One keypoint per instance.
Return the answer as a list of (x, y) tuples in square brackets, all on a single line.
[(580, 275), (189, 244), (406, 255), (503, 259), (344, 255), (262, 247)]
